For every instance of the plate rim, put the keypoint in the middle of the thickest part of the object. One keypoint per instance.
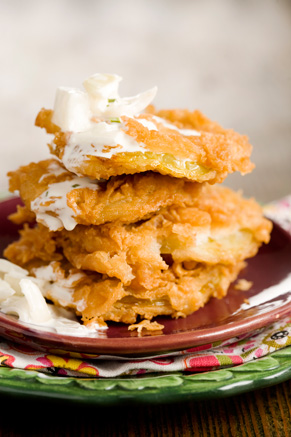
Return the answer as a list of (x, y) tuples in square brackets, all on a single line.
[(149, 344)]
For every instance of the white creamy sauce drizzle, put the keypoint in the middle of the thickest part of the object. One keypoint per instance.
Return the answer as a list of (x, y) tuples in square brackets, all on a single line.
[(185, 132), (54, 169), (54, 199), (103, 137), (56, 287), (24, 296), (74, 109), (147, 123), (103, 140), (104, 100), (71, 110)]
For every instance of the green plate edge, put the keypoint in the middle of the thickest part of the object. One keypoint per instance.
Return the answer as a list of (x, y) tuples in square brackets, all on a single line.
[(150, 389)]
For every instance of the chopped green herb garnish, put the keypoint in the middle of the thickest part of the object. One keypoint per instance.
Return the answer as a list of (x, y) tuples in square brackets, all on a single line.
[(111, 100), (76, 185), (46, 194), (115, 120)]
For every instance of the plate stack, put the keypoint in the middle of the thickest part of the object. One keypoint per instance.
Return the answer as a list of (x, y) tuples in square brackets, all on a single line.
[(130, 223)]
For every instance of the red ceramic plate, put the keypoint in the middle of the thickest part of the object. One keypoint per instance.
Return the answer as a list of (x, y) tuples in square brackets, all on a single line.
[(269, 297)]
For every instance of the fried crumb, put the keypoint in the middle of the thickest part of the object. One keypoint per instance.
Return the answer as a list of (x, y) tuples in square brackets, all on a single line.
[(243, 285), (148, 326)]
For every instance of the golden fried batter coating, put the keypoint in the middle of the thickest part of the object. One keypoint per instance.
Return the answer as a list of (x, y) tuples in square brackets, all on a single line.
[(178, 293), (22, 215), (166, 149), (170, 264), (210, 233), (35, 247), (175, 296), (222, 228), (122, 199), (129, 223)]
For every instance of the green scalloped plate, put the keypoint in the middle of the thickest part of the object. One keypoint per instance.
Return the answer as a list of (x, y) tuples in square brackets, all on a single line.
[(153, 389)]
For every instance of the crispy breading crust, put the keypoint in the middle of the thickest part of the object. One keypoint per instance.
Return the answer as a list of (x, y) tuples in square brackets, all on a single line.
[(180, 292), (231, 229), (209, 157), (158, 266), (122, 199), (174, 296), (148, 241), (222, 227)]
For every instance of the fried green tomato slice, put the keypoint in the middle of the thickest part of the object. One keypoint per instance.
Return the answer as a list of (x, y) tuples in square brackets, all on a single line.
[(221, 228), (59, 199), (178, 143)]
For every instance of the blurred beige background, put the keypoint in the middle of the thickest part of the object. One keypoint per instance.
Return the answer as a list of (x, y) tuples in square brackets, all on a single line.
[(229, 58)]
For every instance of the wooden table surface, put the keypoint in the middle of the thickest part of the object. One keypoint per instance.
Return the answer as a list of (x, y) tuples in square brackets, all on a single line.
[(265, 412)]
